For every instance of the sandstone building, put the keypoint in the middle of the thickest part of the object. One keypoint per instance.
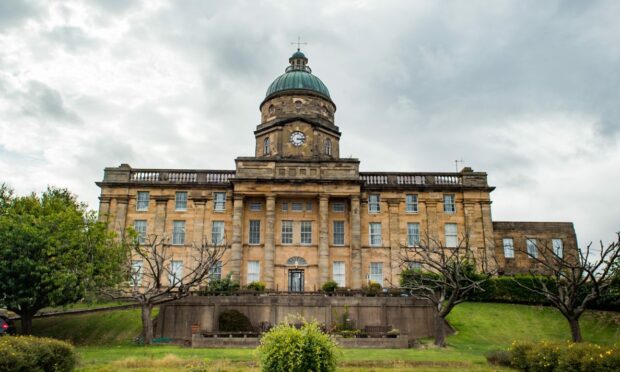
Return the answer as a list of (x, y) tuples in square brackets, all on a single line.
[(296, 214)]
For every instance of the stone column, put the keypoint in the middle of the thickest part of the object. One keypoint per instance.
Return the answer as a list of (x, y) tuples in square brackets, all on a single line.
[(270, 246), (236, 247), (393, 205), (160, 216), (356, 244), (199, 220), (487, 234), (432, 228), (104, 208), (121, 213), (323, 239)]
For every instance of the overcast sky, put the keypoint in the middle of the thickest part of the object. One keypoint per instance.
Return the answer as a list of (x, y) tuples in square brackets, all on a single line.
[(527, 91)]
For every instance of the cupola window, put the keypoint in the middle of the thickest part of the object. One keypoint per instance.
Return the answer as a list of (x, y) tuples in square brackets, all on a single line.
[(272, 109), (328, 147), (298, 105), (266, 146)]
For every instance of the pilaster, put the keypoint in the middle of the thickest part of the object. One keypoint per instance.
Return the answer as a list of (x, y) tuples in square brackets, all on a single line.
[(323, 239), (356, 244), (393, 205), (270, 218), (161, 203), (121, 213), (236, 247)]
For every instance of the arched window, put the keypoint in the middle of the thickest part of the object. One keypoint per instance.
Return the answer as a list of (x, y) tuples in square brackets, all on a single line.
[(328, 147), (266, 146), (296, 261), (272, 109)]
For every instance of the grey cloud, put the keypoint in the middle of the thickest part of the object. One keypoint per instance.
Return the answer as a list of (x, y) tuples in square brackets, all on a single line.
[(72, 38), (44, 102), (14, 12)]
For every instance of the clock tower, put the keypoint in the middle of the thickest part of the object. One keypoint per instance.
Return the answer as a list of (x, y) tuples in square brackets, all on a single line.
[(297, 116)]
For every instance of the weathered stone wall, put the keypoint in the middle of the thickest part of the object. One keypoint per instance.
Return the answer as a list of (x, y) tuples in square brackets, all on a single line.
[(543, 232), (412, 317)]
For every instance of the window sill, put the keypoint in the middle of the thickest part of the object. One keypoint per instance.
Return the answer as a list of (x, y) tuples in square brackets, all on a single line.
[(180, 210), (412, 212)]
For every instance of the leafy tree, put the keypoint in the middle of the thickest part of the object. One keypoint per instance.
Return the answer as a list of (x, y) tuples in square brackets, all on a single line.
[(53, 251), (579, 278), (446, 277)]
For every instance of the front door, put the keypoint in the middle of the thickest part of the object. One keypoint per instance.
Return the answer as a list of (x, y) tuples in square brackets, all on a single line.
[(296, 280)]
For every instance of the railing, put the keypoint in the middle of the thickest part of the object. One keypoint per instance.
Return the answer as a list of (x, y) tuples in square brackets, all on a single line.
[(175, 176), (411, 178)]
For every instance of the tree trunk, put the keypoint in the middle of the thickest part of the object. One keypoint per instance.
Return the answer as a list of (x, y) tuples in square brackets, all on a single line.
[(440, 330), (575, 329), (147, 323), (26, 321)]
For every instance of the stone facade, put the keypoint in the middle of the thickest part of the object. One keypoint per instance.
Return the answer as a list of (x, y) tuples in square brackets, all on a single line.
[(296, 214)]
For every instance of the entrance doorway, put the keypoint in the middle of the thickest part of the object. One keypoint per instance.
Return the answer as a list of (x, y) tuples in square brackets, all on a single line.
[(296, 280)]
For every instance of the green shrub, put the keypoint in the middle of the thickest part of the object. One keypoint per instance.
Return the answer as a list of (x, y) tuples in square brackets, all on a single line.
[(27, 353), (330, 286), (257, 286), (222, 285), (234, 321), (564, 357), (373, 289), (499, 357), (286, 348)]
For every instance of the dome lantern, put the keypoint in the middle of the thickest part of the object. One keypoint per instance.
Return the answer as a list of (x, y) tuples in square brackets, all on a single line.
[(298, 76)]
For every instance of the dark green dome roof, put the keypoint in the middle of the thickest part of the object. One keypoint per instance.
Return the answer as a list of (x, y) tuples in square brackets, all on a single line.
[(298, 76)]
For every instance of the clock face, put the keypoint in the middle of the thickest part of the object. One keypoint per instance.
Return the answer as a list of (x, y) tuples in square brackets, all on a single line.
[(298, 138)]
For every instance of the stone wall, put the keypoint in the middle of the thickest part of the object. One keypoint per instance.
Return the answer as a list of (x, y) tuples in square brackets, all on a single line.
[(412, 317)]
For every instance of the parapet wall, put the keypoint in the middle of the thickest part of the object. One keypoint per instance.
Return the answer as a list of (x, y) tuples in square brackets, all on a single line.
[(412, 317)]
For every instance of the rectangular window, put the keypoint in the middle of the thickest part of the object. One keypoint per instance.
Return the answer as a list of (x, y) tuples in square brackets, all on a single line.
[(256, 206), (284, 207), (414, 265), (287, 232), (306, 232), (254, 237), (338, 207), (413, 234), (338, 232), (373, 203), (532, 251), (140, 227), (136, 273), (509, 248), (219, 201), (253, 271), (180, 201), (142, 203), (297, 206), (412, 203), (215, 272), (449, 205), (339, 273), (558, 247), (375, 234), (376, 272), (217, 232), (176, 273), (309, 206), (178, 232), (452, 239)]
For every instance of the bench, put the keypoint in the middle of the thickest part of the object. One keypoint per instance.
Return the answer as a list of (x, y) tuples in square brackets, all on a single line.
[(377, 331)]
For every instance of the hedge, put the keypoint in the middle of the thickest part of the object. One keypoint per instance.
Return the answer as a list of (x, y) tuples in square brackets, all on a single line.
[(28, 353)]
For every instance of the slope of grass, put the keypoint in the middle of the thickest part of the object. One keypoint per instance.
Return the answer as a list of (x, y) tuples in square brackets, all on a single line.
[(105, 341)]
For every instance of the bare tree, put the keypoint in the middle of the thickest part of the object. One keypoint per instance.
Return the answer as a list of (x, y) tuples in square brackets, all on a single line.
[(154, 277), (573, 279), (445, 277)]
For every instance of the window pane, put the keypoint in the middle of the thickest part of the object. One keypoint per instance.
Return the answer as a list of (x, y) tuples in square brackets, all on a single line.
[(373, 203), (256, 206), (136, 273), (217, 232), (531, 248), (558, 247), (253, 271), (180, 201), (376, 272), (142, 203), (412, 203), (219, 203), (297, 206), (449, 205), (284, 206), (140, 227), (338, 232), (451, 235), (287, 232), (375, 234), (338, 206), (215, 272), (254, 232), (339, 273), (306, 232), (413, 234), (309, 206), (509, 250), (178, 232), (176, 273)]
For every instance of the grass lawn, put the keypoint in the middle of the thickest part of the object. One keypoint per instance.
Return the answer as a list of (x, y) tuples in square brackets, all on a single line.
[(104, 341)]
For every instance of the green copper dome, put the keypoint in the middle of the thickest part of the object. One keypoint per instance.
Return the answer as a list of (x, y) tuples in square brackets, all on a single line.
[(298, 76)]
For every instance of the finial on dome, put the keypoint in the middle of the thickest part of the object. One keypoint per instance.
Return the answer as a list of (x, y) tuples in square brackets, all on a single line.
[(299, 43)]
